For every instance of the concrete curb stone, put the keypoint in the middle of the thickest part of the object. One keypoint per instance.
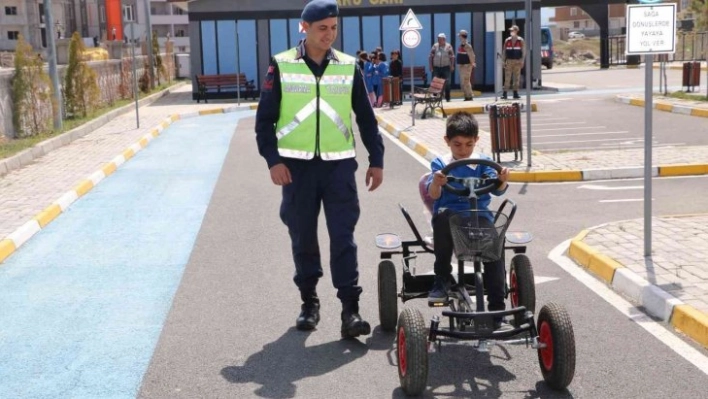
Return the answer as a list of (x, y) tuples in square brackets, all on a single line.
[(657, 302), (43, 148), (20, 236)]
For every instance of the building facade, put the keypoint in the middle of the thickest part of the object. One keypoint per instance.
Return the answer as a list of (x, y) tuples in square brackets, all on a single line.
[(92, 19), (229, 38)]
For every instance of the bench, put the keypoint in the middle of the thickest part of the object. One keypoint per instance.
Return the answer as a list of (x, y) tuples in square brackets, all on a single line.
[(222, 82), (420, 76), (431, 97)]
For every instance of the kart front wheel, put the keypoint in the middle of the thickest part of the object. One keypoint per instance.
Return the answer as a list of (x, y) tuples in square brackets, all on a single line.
[(388, 298), (522, 286), (557, 357), (412, 348)]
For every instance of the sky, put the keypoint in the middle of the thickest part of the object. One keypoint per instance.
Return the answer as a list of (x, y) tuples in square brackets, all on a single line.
[(546, 13)]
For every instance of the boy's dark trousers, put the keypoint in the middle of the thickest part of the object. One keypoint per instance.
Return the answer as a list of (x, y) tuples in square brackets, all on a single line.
[(494, 272)]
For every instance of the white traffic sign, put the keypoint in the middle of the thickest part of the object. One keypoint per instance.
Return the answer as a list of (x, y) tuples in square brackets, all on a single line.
[(651, 29), (410, 21), (133, 31), (411, 38)]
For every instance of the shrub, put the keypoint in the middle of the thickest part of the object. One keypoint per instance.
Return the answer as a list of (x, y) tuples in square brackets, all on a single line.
[(31, 93), (81, 93)]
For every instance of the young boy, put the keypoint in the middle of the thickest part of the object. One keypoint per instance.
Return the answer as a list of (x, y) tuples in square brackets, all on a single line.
[(462, 133)]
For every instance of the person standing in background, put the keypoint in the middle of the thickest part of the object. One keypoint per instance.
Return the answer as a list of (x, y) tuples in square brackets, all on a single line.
[(513, 58), (466, 62), (396, 70), (442, 62)]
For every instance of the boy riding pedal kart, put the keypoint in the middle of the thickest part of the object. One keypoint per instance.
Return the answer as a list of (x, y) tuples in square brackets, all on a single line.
[(462, 134)]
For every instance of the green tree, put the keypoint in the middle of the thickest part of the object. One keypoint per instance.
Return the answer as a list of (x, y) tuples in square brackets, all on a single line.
[(700, 11), (159, 65), (81, 93), (31, 93)]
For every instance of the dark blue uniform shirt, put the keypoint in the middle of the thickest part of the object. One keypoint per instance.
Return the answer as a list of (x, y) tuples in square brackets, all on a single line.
[(269, 112)]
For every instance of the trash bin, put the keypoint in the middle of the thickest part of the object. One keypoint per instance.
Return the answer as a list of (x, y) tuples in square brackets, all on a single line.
[(391, 91), (633, 60), (691, 75), (505, 130)]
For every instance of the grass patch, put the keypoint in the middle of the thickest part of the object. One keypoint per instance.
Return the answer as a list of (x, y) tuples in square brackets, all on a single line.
[(11, 147), (688, 96)]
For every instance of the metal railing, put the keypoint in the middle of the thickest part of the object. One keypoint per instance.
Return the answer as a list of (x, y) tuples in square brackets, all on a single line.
[(690, 46)]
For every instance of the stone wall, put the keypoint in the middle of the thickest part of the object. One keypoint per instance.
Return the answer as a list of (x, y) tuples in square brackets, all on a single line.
[(110, 74)]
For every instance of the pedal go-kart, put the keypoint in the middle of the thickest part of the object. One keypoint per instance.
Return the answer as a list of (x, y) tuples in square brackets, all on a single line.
[(551, 333)]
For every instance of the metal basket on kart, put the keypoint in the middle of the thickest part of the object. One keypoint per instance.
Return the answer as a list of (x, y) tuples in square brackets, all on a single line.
[(478, 235)]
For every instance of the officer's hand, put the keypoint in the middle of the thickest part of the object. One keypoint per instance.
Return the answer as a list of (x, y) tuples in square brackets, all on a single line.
[(374, 178), (280, 175)]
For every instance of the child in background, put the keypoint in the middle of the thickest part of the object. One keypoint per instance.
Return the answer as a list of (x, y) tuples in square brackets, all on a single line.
[(368, 71), (380, 74)]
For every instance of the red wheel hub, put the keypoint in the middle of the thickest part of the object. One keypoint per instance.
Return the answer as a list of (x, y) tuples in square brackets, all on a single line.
[(402, 364), (546, 337), (514, 290)]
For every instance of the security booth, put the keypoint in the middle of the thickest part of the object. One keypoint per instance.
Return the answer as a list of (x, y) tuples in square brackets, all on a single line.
[(229, 37)]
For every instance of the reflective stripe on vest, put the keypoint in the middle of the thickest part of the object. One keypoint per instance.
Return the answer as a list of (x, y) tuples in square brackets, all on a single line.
[(297, 129)]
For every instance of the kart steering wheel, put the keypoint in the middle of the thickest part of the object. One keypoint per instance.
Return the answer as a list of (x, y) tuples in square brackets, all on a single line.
[(486, 184)]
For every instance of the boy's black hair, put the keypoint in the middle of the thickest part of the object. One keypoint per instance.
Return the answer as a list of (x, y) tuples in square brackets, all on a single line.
[(461, 124)]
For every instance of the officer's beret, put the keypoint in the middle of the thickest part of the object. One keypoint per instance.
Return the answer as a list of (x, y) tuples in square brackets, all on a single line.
[(317, 10)]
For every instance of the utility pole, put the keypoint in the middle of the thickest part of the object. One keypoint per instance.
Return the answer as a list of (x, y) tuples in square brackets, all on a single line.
[(53, 72), (151, 56)]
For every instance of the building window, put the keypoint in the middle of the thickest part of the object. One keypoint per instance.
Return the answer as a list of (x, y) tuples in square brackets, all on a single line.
[(128, 14), (180, 33), (587, 23), (177, 11), (11, 10), (102, 14), (573, 11), (576, 24), (13, 35)]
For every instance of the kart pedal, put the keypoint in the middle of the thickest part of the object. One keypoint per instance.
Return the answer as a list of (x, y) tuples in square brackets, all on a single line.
[(439, 304)]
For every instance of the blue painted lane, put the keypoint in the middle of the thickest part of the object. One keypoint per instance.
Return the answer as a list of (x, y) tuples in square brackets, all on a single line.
[(83, 303)]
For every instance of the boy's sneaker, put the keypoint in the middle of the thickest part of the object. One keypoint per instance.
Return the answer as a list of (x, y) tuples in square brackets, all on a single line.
[(502, 325), (439, 293)]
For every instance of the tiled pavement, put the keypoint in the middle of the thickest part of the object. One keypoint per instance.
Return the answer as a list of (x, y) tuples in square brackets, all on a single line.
[(676, 267)]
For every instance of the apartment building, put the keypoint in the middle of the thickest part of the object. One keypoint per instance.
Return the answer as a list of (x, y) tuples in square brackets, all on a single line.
[(573, 18), (165, 18), (90, 19)]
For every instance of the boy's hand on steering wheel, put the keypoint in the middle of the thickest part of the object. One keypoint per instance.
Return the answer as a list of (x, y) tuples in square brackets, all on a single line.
[(504, 175), (439, 179)]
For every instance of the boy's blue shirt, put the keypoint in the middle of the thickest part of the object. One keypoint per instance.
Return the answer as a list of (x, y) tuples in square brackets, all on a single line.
[(456, 202)]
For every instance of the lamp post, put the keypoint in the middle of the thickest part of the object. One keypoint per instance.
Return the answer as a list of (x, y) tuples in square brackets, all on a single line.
[(53, 72), (151, 60)]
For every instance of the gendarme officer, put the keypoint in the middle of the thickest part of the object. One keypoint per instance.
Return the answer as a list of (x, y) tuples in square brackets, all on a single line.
[(304, 131)]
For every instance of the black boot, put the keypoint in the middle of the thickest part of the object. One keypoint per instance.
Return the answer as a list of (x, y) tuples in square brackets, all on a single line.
[(503, 96), (310, 312), (516, 95), (352, 324)]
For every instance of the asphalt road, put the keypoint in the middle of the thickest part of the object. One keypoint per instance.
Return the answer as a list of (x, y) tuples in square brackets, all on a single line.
[(230, 330)]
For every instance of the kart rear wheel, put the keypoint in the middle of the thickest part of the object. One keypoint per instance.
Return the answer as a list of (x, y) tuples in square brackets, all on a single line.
[(412, 348), (388, 296), (557, 359), (522, 286)]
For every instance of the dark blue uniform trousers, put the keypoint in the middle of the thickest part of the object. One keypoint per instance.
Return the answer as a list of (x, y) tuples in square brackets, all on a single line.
[(332, 184)]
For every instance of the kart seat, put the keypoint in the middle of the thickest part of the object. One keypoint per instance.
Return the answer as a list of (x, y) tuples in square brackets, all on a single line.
[(423, 190)]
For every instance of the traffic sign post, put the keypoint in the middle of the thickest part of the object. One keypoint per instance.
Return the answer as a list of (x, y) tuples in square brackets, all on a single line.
[(651, 29), (132, 36), (411, 39)]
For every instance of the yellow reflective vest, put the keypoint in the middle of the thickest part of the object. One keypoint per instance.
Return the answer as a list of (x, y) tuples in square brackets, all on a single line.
[(315, 113)]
